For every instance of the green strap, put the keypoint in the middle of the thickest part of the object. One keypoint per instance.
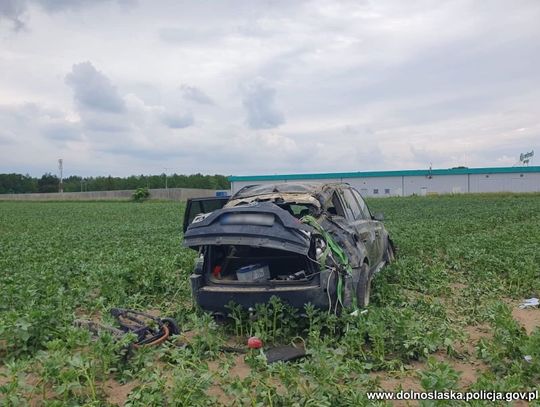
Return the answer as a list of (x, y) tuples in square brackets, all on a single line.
[(337, 252)]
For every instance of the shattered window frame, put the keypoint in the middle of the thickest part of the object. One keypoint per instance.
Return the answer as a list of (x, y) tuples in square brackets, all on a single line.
[(362, 203), (352, 203), (335, 200)]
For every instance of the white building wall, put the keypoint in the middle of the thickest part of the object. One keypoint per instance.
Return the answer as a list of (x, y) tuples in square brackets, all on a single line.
[(437, 184), (505, 182), (377, 186), (424, 185)]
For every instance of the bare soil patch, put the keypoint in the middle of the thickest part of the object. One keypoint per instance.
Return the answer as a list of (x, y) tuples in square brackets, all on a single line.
[(405, 381), (216, 391), (469, 371), (474, 333), (117, 393), (239, 370), (3, 376), (528, 318)]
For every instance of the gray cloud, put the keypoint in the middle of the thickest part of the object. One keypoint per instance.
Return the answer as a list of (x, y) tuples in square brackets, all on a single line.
[(60, 5), (31, 127), (186, 35), (74, 5), (258, 100), (5, 138), (103, 112), (104, 123), (177, 120), (62, 131), (93, 90), (15, 10), (12, 10), (195, 94)]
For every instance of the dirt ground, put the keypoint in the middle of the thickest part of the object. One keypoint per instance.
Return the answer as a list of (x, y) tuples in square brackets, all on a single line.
[(528, 318), (466, 363)]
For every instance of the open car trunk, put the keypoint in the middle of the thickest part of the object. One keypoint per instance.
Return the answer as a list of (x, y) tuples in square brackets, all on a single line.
[(290, 276), (252, 253), (247, 265)]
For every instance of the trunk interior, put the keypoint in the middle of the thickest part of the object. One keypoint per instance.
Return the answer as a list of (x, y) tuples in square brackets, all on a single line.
[(257, 265)]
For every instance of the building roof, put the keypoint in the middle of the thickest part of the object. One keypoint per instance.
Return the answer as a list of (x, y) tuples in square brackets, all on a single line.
[(368, 174)]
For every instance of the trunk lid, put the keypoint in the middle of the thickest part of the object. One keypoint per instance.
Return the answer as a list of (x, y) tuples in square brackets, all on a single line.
[(259, 224)]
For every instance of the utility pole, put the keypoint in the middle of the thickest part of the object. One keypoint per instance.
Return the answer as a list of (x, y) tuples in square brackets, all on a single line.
[(61, 171)]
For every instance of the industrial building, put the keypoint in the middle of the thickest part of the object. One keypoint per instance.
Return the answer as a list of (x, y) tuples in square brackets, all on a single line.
[(416, 182)]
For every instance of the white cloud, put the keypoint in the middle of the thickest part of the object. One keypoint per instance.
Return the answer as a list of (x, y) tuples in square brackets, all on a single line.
[(294, 86)]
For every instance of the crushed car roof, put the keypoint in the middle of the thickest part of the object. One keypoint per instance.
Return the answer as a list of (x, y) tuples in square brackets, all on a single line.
[(311, 188)]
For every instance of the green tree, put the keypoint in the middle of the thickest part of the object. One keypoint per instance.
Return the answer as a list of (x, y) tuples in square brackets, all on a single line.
[(18, 183), (48, 183)]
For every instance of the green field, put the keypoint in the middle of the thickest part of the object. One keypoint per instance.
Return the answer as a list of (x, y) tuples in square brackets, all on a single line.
[(443, 316)]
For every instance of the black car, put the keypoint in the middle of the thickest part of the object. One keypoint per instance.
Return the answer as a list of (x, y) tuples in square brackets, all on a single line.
[(302, 242)]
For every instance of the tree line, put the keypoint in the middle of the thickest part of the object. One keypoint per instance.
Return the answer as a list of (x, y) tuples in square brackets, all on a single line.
[(21, 184)]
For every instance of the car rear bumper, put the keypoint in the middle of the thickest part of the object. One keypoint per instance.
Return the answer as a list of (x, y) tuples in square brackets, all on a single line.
[(215, 298)]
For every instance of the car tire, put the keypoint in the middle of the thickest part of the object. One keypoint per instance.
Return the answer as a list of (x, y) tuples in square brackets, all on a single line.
[(363, 287)]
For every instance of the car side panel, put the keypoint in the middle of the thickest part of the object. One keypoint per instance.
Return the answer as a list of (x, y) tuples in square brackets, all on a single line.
[(362, 235), (344, 234), (379, 241)]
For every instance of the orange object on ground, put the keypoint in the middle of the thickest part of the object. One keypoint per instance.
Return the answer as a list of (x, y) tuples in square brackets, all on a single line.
[(159, 340)]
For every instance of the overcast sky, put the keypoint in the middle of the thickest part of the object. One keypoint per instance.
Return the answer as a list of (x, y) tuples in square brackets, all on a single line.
[(253, 87)]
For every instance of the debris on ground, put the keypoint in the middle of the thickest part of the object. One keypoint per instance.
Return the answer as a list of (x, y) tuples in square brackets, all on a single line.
[(530, 303), (149, 329), (254, 343), (284, 353), (357, 312)]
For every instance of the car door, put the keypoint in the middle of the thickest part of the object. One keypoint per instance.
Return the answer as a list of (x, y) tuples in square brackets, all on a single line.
[(365, 233), (377, 227), (196, 206)]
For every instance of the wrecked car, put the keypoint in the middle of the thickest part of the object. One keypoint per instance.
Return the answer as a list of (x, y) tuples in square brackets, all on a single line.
[(301, 242)]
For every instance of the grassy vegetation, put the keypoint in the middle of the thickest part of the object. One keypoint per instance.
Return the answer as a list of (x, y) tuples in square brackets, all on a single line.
[(443, 315)]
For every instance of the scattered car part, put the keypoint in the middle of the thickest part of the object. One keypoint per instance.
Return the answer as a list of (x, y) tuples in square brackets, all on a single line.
[(149, 330), (530, 303), (284, 353), (254, 343)]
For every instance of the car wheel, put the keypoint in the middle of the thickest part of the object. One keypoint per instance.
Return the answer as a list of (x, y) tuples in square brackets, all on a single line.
[(363, 288)]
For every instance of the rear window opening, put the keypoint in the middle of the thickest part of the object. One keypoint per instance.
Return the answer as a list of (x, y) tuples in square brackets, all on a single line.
[(257, 265), (297, 210)]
